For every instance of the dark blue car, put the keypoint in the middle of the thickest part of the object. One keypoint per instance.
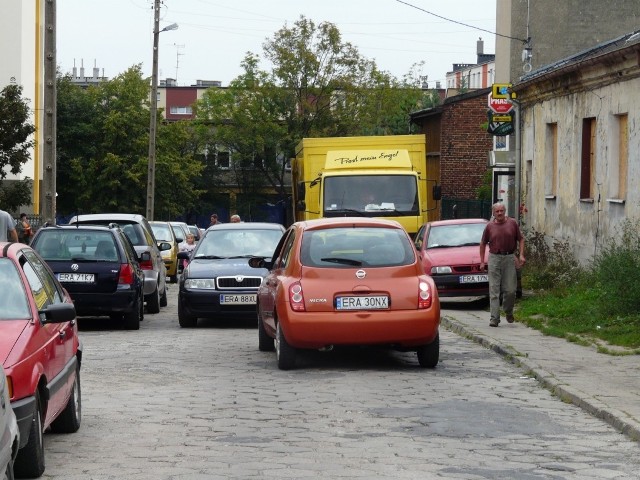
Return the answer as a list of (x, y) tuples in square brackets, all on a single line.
[(218, 282)]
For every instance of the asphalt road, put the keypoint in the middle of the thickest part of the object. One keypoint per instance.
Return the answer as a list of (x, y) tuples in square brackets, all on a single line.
[(167, 403)]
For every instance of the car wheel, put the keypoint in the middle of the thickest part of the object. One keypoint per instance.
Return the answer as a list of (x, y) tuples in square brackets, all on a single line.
[(184, 319), (141, 303), (132, 318), (428, 355), (285, 353), (30, 460), (153, 301), (69, 420), (163, 298), (265, 342)]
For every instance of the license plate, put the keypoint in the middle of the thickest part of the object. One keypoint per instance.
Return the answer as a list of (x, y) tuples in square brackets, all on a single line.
[(246, 299), (76, 277), (474, 278), (362, 303)]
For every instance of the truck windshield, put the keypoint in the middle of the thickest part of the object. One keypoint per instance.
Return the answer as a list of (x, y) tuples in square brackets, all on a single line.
[(371, 195)]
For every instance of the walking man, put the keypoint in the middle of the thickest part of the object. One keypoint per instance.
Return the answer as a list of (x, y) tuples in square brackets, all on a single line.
[(7, 228), (504, 238)]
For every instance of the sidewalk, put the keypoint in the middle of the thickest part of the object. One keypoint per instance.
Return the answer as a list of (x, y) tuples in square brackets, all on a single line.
[(605, 386)]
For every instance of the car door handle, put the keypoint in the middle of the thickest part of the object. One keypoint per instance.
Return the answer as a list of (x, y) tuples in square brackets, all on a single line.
[(62, 334)]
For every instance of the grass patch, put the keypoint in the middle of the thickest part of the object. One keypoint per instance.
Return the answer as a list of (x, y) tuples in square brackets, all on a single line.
[(593, 305)]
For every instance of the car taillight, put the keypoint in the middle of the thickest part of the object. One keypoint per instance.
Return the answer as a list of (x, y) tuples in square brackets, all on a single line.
[(424, 296), (10, 386), (146, 264), (126, 275), (296, 298)]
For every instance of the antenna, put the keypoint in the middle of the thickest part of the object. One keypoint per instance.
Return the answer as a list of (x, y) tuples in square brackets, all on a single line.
[(178, 55)]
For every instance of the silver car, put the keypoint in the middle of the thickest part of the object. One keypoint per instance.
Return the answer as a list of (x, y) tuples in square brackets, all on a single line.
[(9, 434), (137, 228)]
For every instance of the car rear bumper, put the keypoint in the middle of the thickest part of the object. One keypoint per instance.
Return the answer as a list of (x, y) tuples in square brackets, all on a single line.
[(203, 304), (104, 303), (402, 328)]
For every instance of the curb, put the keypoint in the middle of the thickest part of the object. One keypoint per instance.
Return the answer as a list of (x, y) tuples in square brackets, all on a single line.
[(564, 392)]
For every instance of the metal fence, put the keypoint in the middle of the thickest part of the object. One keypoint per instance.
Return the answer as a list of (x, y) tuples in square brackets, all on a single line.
[(465, 208)]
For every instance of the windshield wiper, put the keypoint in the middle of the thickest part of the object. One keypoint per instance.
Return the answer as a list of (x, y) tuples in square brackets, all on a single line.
[(209, 257), (346, 261), (242, 256), (348, 210)]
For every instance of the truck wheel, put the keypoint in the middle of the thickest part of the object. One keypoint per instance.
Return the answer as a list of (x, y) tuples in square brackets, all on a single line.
[(69, 420), (30, 460), (285, 353), (428, 355)]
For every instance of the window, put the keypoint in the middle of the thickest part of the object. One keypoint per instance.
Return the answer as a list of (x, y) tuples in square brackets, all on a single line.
[(551, 160), (619, 157), (223, 160), (175, 110), (587, 165)]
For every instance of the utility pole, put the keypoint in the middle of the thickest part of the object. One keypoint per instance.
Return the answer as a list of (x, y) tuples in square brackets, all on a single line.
[(151, 172), (48, 207)]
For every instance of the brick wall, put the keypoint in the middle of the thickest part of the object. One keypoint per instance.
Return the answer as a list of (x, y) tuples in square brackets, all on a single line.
[(464, 146)]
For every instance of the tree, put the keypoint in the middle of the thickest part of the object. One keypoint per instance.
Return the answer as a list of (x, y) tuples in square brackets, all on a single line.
[(319, 85), (103, 142), (15, 145)]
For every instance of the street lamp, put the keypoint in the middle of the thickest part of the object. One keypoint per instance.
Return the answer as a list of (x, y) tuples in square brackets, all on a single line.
[(151, 172)]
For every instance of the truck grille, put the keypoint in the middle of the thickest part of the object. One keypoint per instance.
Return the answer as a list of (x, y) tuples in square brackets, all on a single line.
[(238, 282)]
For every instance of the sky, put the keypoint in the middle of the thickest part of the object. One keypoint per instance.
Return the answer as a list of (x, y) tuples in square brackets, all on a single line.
[(213, 36)]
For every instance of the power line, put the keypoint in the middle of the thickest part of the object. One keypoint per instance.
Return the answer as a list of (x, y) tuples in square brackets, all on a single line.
[(460, 23)]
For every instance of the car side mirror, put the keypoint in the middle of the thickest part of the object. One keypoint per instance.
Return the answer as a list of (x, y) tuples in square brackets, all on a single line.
[(145, 257), (59, 313), (260, 262), (164, 246), (184, 255)]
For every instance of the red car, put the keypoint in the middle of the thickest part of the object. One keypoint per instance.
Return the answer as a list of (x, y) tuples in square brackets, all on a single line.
[(450, 252), (346, 281), (40, 352)]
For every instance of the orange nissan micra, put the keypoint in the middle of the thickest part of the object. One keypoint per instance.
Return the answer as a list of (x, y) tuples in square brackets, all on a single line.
[(346, 281)]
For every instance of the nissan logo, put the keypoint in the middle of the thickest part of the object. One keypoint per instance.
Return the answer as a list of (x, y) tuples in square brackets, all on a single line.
[(361, 274)]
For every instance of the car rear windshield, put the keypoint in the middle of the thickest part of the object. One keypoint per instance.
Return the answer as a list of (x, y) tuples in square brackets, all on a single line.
[(77, 245), (356, 247), (13, 298)]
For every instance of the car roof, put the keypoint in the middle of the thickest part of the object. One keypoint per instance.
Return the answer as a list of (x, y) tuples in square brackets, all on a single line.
[(85, 218), (79, 226), (247, 226), (457, 221)]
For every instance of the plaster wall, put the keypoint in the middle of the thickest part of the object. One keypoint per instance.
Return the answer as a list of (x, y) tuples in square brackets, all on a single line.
[(563, 215)]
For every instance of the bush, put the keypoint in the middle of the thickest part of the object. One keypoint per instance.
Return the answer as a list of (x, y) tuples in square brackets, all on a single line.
[(549, 266), (616, 273)]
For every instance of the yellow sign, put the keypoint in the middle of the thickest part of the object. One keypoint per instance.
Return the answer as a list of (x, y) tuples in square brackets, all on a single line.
[(367, 159), (501, 90), (501, 118)]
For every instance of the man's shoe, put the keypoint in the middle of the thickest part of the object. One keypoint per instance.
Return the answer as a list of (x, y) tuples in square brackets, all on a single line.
[(510, 318), (494, 323)]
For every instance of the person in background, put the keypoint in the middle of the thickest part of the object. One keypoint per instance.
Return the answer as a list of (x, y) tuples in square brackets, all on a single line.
[(235, 219), (188, 246), (214, 220), (7, 228), (23, 228), (504, 238)]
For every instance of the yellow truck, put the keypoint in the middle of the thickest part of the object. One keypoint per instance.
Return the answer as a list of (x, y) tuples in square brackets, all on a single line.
[(376, 176)]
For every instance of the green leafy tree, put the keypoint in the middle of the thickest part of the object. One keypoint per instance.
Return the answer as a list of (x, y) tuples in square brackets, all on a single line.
[(103, 145), (319, 85), (15, 145)]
